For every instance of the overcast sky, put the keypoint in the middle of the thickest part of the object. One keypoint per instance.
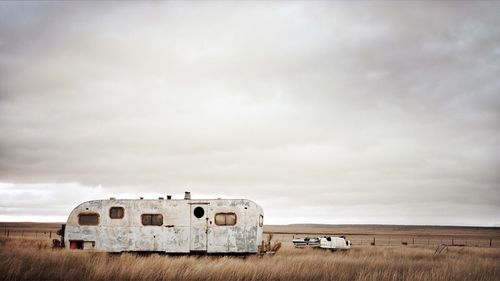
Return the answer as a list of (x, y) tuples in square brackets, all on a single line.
[(321, 112)]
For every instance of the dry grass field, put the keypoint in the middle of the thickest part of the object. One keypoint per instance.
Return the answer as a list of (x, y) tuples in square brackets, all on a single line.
[(33, 259), (30, 257)]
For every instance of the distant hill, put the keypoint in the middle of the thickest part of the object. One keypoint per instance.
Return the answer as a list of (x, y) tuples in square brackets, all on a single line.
[(414, 230), (320, 229)]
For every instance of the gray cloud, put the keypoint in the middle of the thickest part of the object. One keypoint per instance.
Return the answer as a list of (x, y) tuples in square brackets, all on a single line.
[(377, 112)]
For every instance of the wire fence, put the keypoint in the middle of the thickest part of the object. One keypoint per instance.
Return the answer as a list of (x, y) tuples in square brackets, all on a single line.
[(30, 233), (374, 240), (404, 240), (424, 241)]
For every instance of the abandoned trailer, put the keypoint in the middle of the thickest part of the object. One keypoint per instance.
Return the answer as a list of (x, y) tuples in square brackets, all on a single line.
[(327, 242), (224, 226)]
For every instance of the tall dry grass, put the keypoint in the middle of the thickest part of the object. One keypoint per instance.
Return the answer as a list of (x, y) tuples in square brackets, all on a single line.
[(31, 259)]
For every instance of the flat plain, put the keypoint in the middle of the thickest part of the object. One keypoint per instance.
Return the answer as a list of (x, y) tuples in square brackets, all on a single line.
[(27, 255)]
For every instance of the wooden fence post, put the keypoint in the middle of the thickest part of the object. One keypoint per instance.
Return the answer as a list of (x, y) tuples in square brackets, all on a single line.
[(491, 240), (50, 234)]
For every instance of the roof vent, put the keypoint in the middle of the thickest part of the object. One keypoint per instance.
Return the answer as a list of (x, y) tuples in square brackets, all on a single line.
[(169, 197), (141, 198), (187, 195)]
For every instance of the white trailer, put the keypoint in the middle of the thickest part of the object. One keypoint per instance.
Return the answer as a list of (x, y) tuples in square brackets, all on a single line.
[(218, 226), (334, 243), (326, 242)]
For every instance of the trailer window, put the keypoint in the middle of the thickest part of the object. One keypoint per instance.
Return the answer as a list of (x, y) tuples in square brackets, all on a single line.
[(199, 212), (116, 212), (261, 220), (152, 219), (225, 219), (88, 219)]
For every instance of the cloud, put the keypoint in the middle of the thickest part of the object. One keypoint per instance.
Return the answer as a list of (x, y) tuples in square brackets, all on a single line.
[(377, 111)]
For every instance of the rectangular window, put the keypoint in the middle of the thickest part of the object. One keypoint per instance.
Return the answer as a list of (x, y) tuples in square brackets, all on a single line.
[(116, 212), (152, 219), (261, 220), (88, 219), (225, 219)]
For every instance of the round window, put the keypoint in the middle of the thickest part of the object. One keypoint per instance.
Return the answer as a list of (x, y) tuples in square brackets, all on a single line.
[(199, 212)]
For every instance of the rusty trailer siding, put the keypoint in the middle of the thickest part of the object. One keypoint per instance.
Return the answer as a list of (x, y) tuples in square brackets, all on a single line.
[(182, 230)]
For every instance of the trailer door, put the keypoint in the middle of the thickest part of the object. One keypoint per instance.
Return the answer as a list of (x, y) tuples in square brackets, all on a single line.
[(199, 227)]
